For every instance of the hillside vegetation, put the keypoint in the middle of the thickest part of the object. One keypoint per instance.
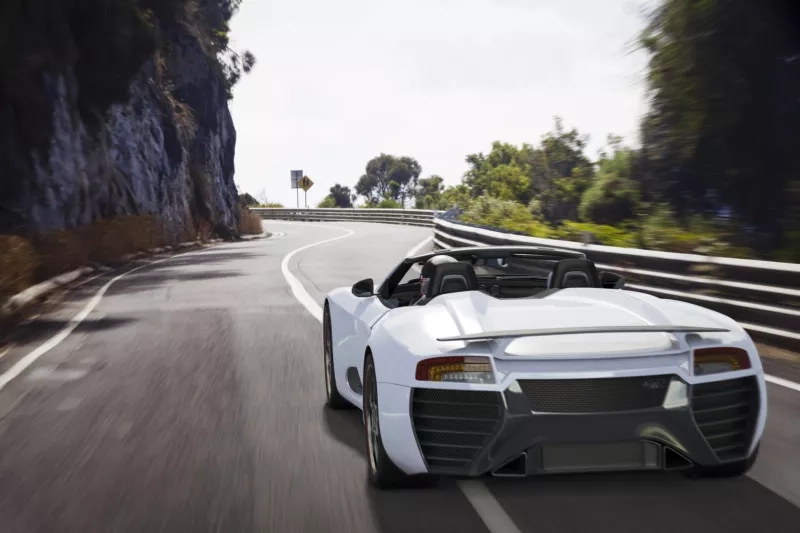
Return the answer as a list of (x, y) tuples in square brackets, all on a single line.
[(716, 170)]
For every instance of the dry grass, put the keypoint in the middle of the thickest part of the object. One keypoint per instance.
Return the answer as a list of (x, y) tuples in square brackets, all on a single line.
[(18, 263), (249, 222), (24, 262), (204, 231)]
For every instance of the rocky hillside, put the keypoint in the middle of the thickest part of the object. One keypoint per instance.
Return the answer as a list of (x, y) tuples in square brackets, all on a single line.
[(117, 107)]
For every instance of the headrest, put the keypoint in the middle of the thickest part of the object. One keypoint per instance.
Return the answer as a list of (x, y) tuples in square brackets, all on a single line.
[(449, 277), (573, 273)]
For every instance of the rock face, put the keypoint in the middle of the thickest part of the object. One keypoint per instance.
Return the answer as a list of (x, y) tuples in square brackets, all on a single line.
[(167, 150)]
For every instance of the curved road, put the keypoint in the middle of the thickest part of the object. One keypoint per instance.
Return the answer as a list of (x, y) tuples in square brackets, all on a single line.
[(190, 398)]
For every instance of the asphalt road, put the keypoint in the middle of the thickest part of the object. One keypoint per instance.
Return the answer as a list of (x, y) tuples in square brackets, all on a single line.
[(191, 399)]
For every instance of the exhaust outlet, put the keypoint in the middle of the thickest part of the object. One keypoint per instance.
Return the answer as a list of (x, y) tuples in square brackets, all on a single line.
[(516, 467), (673, 460)]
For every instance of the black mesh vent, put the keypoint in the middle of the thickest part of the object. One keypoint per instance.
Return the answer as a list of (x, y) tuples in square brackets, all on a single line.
[(726, 413), (605, 395), (453, 426)]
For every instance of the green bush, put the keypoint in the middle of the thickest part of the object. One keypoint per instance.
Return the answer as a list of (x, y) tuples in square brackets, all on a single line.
[(610, 200), (327, 202), (505, 214), (598, 234)]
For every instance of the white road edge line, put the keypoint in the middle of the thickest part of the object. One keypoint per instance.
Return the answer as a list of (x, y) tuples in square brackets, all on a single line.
[(20, 366), (783, 382), (485, 504), (298, 290), (488, 508)]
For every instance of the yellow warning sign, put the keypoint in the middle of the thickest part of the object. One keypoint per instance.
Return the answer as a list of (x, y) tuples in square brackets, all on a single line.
[(305, 183)]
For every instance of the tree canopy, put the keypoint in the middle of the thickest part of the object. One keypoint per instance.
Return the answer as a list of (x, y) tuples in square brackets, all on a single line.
[(389, 177), (715, 165)]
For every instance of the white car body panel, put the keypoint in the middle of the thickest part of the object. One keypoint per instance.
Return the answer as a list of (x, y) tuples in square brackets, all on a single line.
[(399, 338)]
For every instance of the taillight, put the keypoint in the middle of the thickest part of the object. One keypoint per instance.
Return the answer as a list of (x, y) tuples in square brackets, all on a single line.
[(722, 359), (456, 370)]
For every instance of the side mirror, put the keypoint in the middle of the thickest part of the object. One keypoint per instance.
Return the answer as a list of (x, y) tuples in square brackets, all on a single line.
[(609, 280), (364, 288)]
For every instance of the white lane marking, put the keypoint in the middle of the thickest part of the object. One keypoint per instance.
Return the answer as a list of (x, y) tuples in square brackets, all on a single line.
[(297, 288), (416, 249), (477, 494), (487, 507), (59, 337), (783, 382)]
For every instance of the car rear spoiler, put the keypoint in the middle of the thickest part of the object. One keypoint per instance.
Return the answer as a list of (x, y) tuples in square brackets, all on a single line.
[(492, 335)]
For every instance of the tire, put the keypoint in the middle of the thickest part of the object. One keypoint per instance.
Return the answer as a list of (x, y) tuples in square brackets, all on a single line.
[(334, 399), (382, 472), (732, 469)]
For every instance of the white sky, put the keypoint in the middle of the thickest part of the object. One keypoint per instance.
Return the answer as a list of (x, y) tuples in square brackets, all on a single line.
[(337, 83)]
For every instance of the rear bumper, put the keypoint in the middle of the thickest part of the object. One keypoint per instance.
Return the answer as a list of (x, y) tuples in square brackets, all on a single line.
[(498, 433), (591, 442)]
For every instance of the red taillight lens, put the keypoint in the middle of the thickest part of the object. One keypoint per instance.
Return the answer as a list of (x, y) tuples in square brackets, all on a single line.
[(456, 370), (722, 359)]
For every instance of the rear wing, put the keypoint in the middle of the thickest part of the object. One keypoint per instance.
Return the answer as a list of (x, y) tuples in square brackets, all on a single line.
[(492, 335)]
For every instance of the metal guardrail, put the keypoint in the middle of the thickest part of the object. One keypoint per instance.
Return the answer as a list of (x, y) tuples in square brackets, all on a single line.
[(763, 296), (407, 217)]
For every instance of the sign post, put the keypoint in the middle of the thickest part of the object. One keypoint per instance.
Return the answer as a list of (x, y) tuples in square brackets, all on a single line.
[(297, 175), (305, 183)]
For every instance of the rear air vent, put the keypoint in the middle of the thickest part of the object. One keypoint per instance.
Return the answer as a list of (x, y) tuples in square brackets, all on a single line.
[(726, 413), (454, 426), (603, 395)]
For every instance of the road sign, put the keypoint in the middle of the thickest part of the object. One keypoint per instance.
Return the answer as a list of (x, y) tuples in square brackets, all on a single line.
[(305, 183), (297, 175)]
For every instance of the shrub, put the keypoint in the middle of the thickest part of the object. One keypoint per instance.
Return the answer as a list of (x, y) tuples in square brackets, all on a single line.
[(505, 214), (18, 263), (388, 203), (24, 262), (249, 222), (610, 200), (327, 202), (599, 234)]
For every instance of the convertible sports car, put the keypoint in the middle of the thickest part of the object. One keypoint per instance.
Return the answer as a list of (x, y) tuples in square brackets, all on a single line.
[(523, 360)]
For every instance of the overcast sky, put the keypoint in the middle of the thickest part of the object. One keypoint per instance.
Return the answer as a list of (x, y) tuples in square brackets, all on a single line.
[(337, 83)]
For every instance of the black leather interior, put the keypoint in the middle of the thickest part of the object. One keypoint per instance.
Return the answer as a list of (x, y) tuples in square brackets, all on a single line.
[(573, 273), (451, 277)]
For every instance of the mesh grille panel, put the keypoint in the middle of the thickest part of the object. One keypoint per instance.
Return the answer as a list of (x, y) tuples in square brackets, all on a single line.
[(726, 413), (453, 426), (603, 395)]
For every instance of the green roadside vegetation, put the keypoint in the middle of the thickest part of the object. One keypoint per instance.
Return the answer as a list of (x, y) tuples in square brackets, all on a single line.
[(714, 171)]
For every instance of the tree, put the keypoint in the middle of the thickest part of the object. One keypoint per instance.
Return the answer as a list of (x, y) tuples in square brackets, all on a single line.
[(341, 195), (263, 197), (247, 200), (560, 173), (232, 63), (389, 177), (613, 197), (551, 177), (502, 173), (720, 135), (429, 192)]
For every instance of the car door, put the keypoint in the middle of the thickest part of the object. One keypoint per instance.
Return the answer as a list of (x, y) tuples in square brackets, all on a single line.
[(359, 315)]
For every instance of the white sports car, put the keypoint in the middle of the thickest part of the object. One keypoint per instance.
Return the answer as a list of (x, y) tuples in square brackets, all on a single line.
[(522, 360)]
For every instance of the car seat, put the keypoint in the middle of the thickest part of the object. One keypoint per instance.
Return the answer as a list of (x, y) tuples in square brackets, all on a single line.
[(569, 273)]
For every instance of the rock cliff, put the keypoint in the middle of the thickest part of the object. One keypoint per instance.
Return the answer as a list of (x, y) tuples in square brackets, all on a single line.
[(163, 145)]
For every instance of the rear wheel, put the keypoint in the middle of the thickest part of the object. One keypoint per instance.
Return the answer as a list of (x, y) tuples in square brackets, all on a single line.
[(732, 469), (383, 473), (334, 399)]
